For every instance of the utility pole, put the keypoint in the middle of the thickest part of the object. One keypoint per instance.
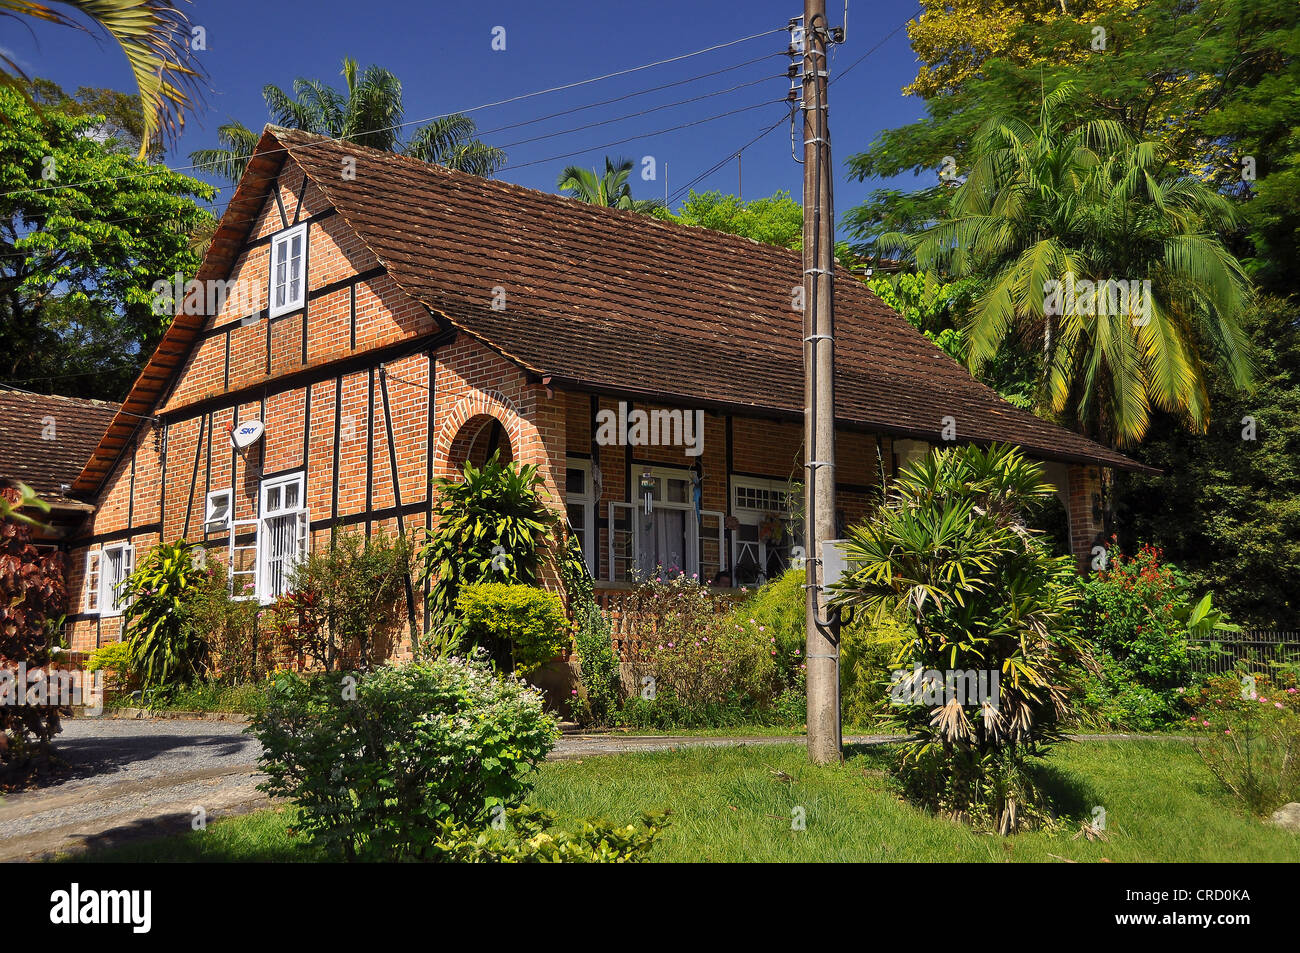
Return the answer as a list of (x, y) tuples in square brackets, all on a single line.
[(822, 650)]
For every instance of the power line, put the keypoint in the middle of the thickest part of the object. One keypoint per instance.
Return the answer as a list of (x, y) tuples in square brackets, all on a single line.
[(538, 138), (219, 212), (643, 135), (501, 102)]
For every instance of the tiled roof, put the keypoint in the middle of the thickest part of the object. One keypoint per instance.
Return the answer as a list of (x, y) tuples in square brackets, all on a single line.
[(615, 301), (46, 440)]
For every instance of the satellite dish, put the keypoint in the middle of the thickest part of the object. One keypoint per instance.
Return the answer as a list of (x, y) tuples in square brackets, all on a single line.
[(246, 434)]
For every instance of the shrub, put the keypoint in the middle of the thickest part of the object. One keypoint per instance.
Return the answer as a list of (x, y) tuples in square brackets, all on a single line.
[(521, 625), (1138, 610), (347, 606), (239, 652), (950, 553), (377, 761), (31, 597), (693, 665), (597, 697), (529, 837), (167, 649), (777, 609), (114, 660), (1251, 737), (491, 525)]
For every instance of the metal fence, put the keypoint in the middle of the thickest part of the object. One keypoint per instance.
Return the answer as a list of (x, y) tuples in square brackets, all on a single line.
[(1256, 649)]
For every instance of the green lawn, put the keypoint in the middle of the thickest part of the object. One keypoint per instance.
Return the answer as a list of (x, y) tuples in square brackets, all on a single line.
[(729, 805)]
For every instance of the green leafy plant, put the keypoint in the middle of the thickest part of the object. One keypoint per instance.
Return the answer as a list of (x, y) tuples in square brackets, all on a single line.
[(529, 836), (596, 698), (346, 605), (167, 649), (1250, 736), (492, 525), (376, 761), (520, 625), (239, 651), (114, 660), (949, 553)]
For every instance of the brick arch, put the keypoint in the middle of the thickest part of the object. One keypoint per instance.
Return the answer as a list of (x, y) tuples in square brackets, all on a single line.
[(458, 430)]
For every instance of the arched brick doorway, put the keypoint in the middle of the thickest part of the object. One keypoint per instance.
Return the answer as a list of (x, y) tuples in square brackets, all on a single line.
[(479, 438)]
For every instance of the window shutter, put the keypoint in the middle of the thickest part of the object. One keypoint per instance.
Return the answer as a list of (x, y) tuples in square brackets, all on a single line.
[(94, 559)]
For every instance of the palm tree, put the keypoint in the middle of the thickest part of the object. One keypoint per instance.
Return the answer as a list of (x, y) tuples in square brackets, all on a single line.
[(1090, 243), (368, 111), (611, 189), (155, 37)]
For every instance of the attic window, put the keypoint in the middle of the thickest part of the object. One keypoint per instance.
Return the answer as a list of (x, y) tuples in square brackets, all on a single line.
[(288, 270)]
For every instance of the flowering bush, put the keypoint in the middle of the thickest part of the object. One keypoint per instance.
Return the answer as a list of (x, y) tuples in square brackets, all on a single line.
[(1250, 728), (1137, 610), (377, 762), (692, 664)]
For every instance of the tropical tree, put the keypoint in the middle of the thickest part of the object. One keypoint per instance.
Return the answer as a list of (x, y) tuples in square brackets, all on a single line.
[(612, 189), (368, 111), (156, 39), (79, 263), (1089, 243), (981, 681)]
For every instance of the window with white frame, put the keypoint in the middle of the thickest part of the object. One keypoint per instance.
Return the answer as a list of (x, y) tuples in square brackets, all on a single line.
[(217, 511), (282, 534), (288, 270), (106, 571), (768, 526), (580, 508)]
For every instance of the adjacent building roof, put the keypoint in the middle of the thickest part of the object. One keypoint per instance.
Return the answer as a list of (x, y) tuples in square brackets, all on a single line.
[(45, 440), (618, 302)]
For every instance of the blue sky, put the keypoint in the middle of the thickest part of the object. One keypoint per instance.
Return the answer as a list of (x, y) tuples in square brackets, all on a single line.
[(443, 55)]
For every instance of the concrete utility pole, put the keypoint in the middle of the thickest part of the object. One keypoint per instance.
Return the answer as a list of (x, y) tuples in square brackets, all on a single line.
[(822, 655)]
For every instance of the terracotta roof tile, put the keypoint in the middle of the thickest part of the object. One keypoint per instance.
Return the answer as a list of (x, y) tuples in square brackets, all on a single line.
[(610, 299), (45, 440)]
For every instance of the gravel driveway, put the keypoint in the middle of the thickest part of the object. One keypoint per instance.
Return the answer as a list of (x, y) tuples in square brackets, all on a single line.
[(136, 777), (132, 777)]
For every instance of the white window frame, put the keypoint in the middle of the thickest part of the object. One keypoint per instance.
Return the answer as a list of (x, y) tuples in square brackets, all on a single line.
[(281, 518), (587, 500), (211, 523), (750, 516), (112, 601), (94, 570), (691, 542), (284, 240)]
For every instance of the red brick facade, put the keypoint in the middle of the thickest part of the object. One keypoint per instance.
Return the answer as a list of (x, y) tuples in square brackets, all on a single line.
[(370, 395)]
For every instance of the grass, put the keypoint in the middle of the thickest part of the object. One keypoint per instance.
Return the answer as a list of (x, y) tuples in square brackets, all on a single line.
[(210, 697), (729, 805)]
